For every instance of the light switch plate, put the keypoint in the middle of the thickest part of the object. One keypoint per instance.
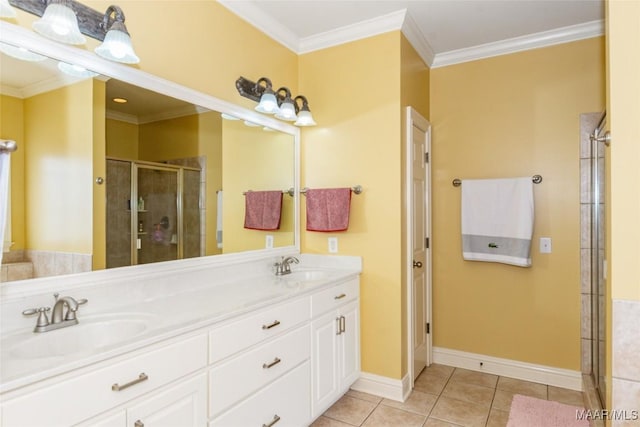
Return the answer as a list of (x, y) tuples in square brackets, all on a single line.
[(268, 241), (333, 245), (545, 245)]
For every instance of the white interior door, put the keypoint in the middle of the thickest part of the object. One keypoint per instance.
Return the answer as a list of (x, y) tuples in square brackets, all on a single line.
[(419, 229)]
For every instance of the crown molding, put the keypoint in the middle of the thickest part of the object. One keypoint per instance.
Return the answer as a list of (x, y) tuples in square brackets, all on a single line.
[(518, 44), (416, 38), (175, 113), (360, 30), (263, 22)]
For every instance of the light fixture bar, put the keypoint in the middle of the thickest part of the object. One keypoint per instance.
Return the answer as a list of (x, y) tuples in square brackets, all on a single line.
[(89, 20)]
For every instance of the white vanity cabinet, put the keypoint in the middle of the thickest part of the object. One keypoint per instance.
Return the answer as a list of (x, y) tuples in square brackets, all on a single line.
[(260, 368), (281, 364), (335, 343), (80, 397)]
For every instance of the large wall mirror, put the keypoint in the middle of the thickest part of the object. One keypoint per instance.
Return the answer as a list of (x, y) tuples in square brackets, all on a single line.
[(123, 168)]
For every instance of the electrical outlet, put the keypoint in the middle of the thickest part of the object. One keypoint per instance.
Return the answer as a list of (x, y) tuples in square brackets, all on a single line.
[(268, 241), (333, 245), (545, 245)]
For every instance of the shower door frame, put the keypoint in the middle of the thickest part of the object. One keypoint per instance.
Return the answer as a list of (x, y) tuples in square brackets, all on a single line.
[(597, 261), (135, 166)]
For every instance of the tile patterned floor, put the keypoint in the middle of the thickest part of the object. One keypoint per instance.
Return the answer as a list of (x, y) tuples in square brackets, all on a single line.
[(443, 397)]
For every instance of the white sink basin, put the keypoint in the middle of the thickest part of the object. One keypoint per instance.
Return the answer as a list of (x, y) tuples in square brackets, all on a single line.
[(306, 275), (90, 334)]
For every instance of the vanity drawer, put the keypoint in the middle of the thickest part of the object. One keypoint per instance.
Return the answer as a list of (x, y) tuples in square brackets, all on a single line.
[(239, 334), (237, 378), (288, 399), (334, 297), (83, 396)]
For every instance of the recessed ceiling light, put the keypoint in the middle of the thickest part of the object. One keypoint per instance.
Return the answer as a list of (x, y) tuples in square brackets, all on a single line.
[(120, 100)]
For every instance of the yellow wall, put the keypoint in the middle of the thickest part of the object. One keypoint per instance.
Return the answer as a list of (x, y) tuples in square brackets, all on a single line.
[(256, 160), (122, 139), (513, 115), (623, 177), (12, 127), (59, 177), (624, 112), (354, 96)]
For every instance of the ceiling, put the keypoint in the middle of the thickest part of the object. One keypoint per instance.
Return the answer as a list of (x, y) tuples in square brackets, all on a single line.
[(442, 31)]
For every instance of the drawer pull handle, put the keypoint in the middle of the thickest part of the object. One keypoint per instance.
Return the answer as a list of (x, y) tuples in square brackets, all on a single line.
[(276, 418), (340, 296), (269, 365), (138, 424), (141, 377), (275, 323)]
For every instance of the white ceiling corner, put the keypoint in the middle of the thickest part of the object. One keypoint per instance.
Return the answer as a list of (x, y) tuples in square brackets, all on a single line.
[(356, 31)]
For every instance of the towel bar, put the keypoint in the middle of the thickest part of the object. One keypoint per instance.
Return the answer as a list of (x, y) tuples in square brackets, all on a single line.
[(537, 179), (289, 192), (7, 146), (356, 190)]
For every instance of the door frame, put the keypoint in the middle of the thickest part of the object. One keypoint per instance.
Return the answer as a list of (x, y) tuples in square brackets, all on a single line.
[(413, 117)]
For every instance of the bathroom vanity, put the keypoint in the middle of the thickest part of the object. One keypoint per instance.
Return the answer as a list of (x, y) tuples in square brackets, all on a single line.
[(232, 345)]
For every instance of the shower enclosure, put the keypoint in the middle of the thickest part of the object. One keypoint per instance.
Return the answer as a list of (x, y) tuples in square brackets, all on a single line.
[(153, 212), (598, 294), (593, 255)]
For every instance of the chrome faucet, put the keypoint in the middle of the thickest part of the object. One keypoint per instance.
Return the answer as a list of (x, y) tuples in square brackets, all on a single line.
[(59, 319), (284, 266)]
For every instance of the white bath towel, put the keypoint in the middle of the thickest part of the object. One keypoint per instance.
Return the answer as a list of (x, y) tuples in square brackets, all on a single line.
[(219, 220), (497, 220)]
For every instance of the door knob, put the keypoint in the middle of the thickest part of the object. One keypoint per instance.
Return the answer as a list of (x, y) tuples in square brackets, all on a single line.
[(417, 264)]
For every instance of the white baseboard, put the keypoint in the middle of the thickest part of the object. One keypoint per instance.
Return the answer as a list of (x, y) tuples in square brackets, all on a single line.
[(388, 388), (558, 377)]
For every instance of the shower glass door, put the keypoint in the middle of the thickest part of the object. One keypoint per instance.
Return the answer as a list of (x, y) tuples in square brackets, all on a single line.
[(157, 220)]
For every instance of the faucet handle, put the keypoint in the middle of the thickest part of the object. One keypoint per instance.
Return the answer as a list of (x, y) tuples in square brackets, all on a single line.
[(71, 314), (43, 320)]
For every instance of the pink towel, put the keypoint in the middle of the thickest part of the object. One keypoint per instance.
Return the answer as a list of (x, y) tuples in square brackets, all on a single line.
[(328, 209), (262, 210)]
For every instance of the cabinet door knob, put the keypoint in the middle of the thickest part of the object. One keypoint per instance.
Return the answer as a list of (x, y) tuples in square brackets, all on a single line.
[(276, 418), (138, 423), (417, 264)]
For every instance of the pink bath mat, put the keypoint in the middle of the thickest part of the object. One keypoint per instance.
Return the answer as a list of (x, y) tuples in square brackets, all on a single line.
[(531, 412)]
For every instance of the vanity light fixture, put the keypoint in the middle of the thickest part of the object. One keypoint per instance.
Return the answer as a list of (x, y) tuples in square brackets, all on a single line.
[(67, 20), (287, 109), (304, 114), (268, 101), (59, 23), (6, 11), (116, 45)]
